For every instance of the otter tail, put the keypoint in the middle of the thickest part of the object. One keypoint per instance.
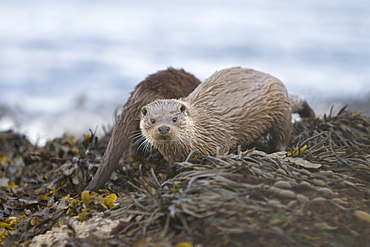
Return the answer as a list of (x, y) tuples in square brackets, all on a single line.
[(299, 105)]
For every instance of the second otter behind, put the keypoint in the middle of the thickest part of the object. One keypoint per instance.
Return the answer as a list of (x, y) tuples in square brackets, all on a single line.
[(169, 83)]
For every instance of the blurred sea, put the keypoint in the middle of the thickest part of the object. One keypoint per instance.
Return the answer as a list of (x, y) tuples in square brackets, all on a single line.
[(66, 66)]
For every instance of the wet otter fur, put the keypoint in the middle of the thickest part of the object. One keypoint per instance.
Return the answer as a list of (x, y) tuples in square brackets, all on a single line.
[(169, 83), (232, 107)]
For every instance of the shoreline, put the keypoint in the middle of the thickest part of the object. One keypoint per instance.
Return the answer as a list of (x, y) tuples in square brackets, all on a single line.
[(315, 194), (77, 122)]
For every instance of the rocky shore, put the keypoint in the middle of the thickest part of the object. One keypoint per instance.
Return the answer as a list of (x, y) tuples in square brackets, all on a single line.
[(315, 194)]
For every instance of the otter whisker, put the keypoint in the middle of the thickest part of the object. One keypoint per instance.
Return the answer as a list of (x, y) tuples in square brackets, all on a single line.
[(149, 147), (136, 134), (139, 140), (143, 145)]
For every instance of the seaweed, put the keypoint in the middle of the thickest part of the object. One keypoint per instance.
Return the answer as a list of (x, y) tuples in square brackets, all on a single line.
[(315, 194)]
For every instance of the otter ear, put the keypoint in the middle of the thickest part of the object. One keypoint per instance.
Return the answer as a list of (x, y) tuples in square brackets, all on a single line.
[(144, 111), (182, 108)]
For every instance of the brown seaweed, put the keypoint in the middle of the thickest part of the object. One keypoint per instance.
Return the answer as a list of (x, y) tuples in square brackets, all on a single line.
[(316, 194)]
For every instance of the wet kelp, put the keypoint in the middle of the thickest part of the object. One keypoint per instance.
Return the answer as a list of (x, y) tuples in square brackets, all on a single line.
[(316, 194)]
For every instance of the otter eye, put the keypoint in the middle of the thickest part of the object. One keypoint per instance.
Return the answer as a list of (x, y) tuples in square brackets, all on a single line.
[(174, 119), (152, 121)]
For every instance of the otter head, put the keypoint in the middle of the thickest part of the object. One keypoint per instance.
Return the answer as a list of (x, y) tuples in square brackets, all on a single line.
[(163, 121)]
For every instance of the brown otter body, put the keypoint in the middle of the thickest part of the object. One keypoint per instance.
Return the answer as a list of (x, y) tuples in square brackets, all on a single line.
[(232, 107), (170, 83)]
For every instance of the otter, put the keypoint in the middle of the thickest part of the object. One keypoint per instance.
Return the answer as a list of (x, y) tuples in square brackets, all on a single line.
[(234, 106), (169, 83)]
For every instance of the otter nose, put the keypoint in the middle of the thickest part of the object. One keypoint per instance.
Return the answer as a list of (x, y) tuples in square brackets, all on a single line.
[(164, 129)]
